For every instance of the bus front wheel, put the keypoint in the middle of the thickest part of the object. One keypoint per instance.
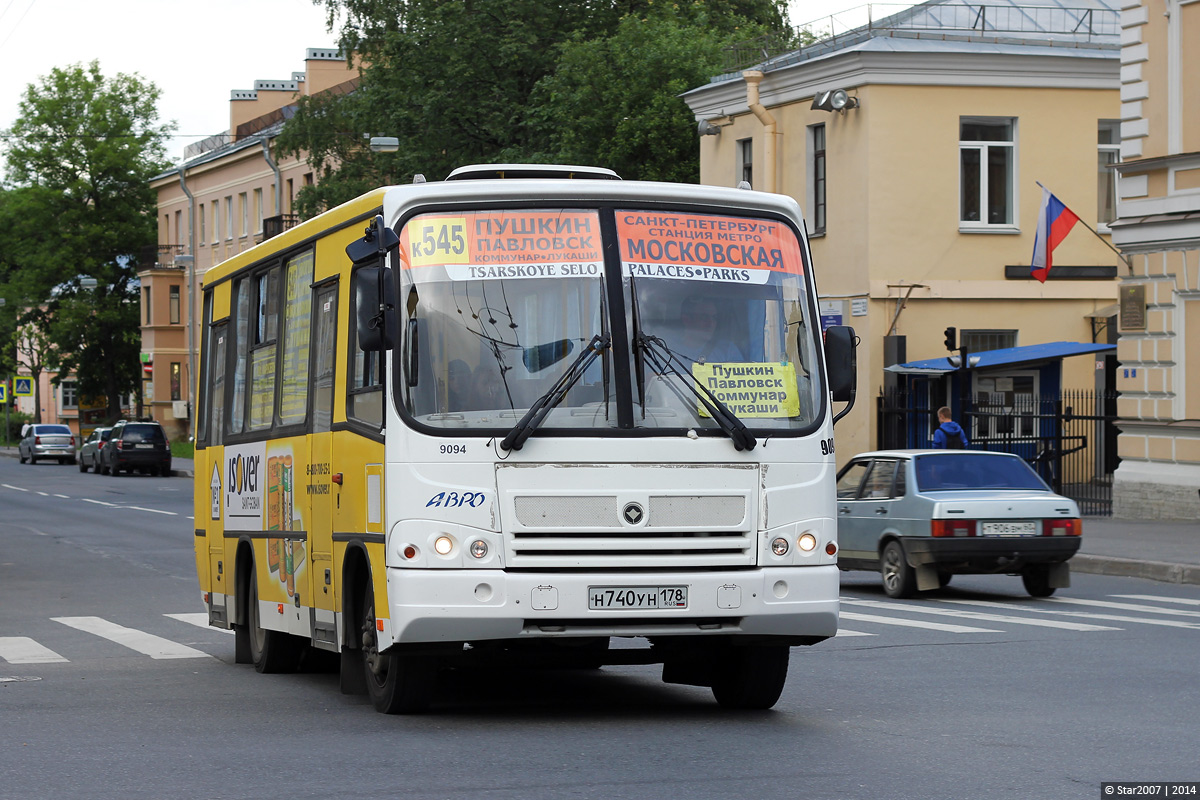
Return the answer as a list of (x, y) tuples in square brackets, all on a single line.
[(396, 683), (750, 677)]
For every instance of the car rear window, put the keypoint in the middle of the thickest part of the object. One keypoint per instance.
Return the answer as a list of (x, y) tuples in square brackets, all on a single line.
[(950, 471), (51, 430), (143, 433)]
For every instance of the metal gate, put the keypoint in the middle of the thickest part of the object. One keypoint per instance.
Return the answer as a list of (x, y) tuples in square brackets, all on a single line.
[(1069, 438)]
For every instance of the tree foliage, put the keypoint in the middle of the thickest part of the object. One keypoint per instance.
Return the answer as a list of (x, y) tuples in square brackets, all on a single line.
[(470, 81), (79, 206)]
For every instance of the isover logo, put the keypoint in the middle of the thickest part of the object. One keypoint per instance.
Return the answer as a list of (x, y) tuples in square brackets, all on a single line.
[(242, 480)]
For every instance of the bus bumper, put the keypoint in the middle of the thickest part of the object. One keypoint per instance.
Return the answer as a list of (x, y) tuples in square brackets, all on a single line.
[(460, 605)]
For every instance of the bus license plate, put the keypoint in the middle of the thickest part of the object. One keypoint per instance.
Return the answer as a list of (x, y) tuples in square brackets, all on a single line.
[(1010, 528), (623, 597)]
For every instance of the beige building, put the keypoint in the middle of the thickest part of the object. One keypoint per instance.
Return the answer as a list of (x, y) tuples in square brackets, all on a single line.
[(1159, 230), (231, 192), (915, 145)]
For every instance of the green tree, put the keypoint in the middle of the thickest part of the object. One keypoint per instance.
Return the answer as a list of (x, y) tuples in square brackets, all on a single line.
[(462, 81), (80, 155)]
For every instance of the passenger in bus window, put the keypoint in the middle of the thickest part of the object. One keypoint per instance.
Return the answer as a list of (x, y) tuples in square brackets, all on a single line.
[(458, 385), (707, 331), (487, 389)]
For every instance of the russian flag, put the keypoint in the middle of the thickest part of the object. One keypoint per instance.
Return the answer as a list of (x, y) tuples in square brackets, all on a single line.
[(1055, 221)]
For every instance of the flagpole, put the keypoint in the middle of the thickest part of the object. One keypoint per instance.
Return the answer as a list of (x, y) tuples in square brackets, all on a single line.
[(1095, 233)]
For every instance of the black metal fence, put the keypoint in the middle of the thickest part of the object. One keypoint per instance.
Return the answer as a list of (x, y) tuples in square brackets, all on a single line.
[(1069, 438)]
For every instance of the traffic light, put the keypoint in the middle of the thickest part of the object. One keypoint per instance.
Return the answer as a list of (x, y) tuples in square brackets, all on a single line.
[(951, 339)]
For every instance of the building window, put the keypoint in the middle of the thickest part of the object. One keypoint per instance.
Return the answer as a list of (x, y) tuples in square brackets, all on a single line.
[(178, 227), (216, 218), (987, 167), (746, 160), (146, 303), (979, 341), (258, 210), (291, 194), (203, 227), (244, 208), (176, 380), (173, 305), (1109, 144), (68, 394), (816, 179), (228, 216), (308, 179)]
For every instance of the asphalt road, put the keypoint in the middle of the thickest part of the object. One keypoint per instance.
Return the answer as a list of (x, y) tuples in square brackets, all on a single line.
[(112, 687)]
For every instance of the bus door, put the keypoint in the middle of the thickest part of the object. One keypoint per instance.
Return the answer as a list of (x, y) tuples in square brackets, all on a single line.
[(320, 477), (221, 580)]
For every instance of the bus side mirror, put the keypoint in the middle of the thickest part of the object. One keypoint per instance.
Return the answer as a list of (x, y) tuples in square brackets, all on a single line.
[(842, 363), (375, 314)]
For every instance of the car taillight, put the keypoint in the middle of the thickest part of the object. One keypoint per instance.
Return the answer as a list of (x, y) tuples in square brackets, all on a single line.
[(120, 444), (37, 440), (952, 527), (1062, 527)]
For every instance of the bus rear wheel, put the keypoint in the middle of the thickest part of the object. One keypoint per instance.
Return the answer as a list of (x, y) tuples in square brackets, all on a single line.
[(750, 677), (270, 651), (396, 683)]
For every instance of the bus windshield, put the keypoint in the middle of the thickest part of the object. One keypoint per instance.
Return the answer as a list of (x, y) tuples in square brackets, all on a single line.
[(499, 304)]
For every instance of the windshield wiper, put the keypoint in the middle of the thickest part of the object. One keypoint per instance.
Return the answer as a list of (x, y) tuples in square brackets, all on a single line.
[(515, 439), (663, 359)]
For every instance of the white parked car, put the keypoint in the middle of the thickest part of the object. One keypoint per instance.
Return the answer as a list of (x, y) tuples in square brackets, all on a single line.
[(47, 441)]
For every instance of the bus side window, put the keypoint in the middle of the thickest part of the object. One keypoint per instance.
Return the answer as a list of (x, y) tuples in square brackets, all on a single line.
[(364, 396)]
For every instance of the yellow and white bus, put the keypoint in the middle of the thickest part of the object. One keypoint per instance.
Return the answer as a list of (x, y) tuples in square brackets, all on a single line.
[(517, 414)]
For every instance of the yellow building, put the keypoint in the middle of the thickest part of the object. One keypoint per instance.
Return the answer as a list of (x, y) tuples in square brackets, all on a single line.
[(230, 192), (916, 145), (1159, 230)]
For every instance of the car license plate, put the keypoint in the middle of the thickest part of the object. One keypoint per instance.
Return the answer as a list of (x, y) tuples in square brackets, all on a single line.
[(1025, 528), (623, 597), (143, 446)]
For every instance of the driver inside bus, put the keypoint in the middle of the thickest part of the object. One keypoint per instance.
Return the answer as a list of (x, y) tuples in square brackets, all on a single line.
[(707, 335)]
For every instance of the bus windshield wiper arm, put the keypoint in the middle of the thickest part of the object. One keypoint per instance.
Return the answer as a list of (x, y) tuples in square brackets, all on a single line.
[(664, 360), (515, 439)]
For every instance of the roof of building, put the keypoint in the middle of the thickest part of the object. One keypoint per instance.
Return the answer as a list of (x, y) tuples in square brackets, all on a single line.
[(1004, 357)]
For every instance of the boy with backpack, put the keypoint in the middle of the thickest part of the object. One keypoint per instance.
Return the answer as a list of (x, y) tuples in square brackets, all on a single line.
[(949, 434)]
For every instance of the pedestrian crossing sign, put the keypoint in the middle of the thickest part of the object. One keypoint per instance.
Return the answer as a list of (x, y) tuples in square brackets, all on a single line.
[(4, 392), (23, 387)]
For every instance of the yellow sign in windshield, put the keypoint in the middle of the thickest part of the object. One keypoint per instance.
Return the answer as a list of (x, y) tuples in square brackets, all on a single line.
[(751, 389)]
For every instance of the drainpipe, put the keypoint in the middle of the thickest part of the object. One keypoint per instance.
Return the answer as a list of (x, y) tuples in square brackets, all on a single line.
[(191, 281), (266, 145), (753, 77)]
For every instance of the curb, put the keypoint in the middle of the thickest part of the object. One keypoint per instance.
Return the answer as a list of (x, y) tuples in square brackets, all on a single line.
[(1162, 571)]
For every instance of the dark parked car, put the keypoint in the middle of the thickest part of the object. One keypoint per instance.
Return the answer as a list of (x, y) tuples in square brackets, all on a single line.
[(89, 452), (47, 441), (140, 446), (921, 516)]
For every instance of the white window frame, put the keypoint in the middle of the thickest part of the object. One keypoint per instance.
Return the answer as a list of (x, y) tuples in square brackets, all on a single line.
[(258, 210), (228, 217), (1113, 152), (983, 148), (68, 395), (745, 157), (818, 194)]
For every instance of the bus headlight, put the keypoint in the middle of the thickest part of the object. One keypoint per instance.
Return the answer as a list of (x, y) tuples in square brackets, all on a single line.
[(779, 546), (479, 548), (807, 542), (443, 545)]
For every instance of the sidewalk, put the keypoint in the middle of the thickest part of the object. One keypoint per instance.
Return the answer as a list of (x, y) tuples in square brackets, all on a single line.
[(1159, 550)]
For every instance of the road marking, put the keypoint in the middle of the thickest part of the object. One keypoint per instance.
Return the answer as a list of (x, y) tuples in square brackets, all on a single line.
[(977, 615), (152, 510), (1159, 598), (44, 494), (199, 619), (1166, 623), (99, 502), (1124, 606), (23, 650), (913, 623), (14, 488), (63, 496), (145, 643), (847, 632)]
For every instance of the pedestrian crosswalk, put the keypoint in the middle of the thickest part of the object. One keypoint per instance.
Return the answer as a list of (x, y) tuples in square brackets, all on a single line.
[(871, 617), (861, 616)]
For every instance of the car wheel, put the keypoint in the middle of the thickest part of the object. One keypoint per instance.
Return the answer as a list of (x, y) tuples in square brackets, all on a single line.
[(396, 683), (751, 677), (270, 651), (1037, 580), (83, 467), (899, 579), (32, 458), (21, 456), (115, 470), (944, 579)]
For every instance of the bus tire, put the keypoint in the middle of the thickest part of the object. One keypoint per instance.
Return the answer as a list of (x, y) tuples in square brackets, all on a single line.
[(396, 683), (750, 678), (270, 651)]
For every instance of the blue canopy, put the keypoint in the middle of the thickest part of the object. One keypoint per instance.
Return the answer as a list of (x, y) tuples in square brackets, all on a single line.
[(1005, 357)]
